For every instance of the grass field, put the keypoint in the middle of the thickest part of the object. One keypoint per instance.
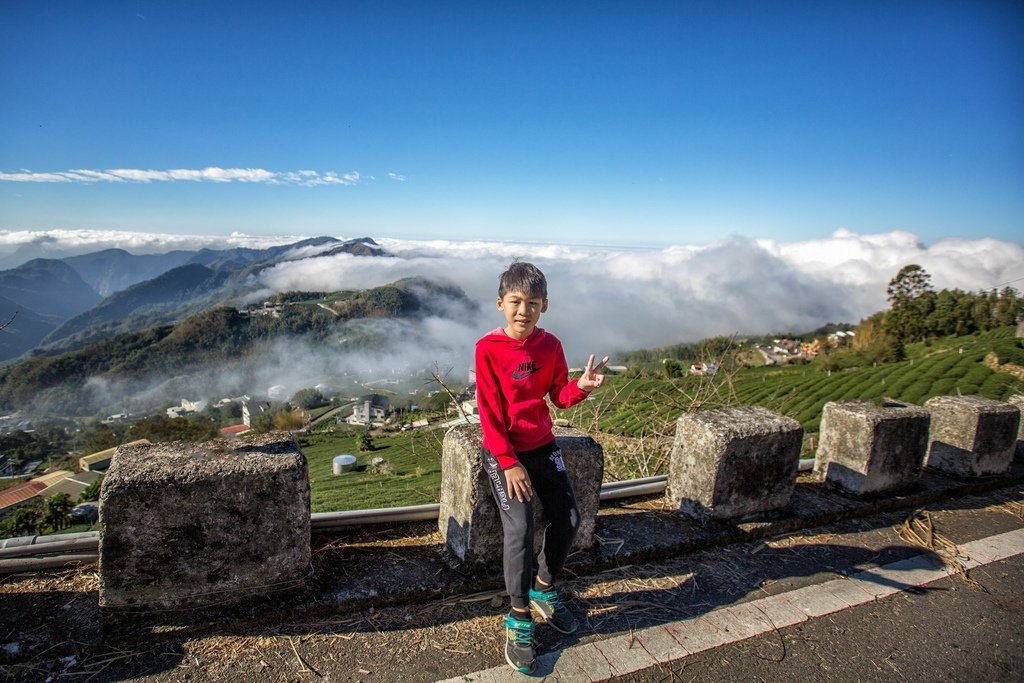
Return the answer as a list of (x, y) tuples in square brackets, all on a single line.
[(946, 366), (413, 475)]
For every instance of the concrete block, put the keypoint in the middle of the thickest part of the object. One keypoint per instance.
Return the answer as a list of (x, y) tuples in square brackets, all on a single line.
[(866, 448), (995, 548), (913, 571), (698, 634), (583, 659), (658, 643), (849, 591), (191, 525), (875, 584), (778, 611), (1018, 400), (469, 520), (815, 601), (733, 462), (625, 655), (971, 435), (739, 621)]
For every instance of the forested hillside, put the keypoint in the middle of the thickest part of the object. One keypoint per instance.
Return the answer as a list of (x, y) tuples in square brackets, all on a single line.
[(220, 336)]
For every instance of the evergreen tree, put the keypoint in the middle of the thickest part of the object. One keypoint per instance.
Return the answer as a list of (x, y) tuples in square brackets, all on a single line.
[(911, 300), (91, 492), (26, 521), (365, 441), (308, 399), (673, 368), (1007, 308), (58, 507)]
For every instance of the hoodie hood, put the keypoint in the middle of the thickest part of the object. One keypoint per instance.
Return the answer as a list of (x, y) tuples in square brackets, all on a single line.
[(498, 336)]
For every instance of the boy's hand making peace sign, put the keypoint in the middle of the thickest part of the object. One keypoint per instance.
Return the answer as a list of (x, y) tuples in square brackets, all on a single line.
[(590, 379)]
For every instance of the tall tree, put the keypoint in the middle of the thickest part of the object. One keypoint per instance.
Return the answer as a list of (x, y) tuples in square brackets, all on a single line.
[(911, 300), (911, 282), (26, 521), (1008, 307), (58, 507)]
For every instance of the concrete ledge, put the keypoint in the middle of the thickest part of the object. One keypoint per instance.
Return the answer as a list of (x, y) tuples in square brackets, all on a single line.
[(185, 526)]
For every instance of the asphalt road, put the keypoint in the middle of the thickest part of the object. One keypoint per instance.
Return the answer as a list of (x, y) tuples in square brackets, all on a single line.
[(945, 631)]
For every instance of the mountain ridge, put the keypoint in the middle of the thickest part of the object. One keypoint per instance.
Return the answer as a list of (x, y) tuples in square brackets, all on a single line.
[(69, 383), (226, 276)]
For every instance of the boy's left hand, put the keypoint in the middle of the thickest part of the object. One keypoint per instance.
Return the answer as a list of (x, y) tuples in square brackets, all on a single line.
[(590, 379)]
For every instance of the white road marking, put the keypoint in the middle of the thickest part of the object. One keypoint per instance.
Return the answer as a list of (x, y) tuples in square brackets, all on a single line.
[(628, 653)]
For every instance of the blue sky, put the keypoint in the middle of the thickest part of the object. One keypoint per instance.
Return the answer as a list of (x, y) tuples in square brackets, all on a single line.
[(608, 123)]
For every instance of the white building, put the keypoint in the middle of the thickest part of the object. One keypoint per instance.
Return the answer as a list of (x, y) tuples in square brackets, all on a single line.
[(369, 410)]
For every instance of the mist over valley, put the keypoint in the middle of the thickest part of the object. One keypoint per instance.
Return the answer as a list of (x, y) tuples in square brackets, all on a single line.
[(121, 331)]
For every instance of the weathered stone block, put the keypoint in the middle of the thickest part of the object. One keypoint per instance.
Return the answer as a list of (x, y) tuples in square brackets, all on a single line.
[(469, 520), (867, 448), (1018, 400), (190, 525), (971, 435), (733, 462)]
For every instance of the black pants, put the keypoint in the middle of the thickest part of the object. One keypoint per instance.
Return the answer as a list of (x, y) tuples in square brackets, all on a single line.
[(551, 486)]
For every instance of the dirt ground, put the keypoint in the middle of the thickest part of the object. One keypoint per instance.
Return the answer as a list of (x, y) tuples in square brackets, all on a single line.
[(339, 629)]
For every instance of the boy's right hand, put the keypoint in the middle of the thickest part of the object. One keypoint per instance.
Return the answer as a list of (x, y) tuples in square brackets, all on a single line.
[(519, 483)]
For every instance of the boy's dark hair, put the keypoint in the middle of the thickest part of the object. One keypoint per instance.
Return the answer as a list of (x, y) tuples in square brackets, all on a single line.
[(523, 277)]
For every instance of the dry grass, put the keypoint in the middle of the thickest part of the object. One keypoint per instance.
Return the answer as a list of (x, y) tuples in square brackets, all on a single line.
[(919, 529)]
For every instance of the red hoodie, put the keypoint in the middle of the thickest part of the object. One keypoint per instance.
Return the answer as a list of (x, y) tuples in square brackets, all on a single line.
[(512, 378)]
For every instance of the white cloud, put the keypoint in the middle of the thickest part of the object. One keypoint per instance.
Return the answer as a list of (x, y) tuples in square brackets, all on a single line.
[(209, 174), (396, 176), (602, 299), (62, 243), (614, 299), (605, 299)]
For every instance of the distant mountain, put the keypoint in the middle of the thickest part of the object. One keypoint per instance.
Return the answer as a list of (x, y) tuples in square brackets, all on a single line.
[(41, 247), (48, 287), (242, 257), (363, 246), (23, 333), (221, 340), (166, 292), (112, 270), (207, 278)]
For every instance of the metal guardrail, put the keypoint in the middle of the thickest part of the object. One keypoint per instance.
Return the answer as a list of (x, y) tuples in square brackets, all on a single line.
[(31, 553)]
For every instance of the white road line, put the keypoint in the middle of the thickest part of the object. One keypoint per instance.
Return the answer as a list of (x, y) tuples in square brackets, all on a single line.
[(628, 653)]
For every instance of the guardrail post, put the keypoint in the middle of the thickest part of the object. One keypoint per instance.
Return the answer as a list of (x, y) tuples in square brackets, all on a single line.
[(468, 519), (971, 436), (733, 462), (866, 448), (191, 525)]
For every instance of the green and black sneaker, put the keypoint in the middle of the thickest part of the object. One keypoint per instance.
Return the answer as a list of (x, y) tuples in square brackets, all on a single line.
[(519, 644), (550, 607)]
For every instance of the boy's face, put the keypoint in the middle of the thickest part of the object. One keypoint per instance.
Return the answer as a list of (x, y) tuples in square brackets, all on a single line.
[(522, 311)]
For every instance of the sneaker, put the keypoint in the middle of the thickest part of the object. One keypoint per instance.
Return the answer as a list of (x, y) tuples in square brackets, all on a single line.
[(519, 644), (550, 607)]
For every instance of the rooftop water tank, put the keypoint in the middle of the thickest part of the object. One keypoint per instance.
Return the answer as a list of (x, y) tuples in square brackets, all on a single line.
[(344, 463)]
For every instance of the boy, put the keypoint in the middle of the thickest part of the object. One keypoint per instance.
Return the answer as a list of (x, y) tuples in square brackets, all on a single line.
[(516, 367)]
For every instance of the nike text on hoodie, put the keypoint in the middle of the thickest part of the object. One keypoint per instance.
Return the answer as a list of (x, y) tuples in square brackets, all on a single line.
[(512, 378)]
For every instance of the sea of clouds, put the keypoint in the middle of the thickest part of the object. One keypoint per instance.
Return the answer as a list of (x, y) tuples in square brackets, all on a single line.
[(602, 299), (606, 299)]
